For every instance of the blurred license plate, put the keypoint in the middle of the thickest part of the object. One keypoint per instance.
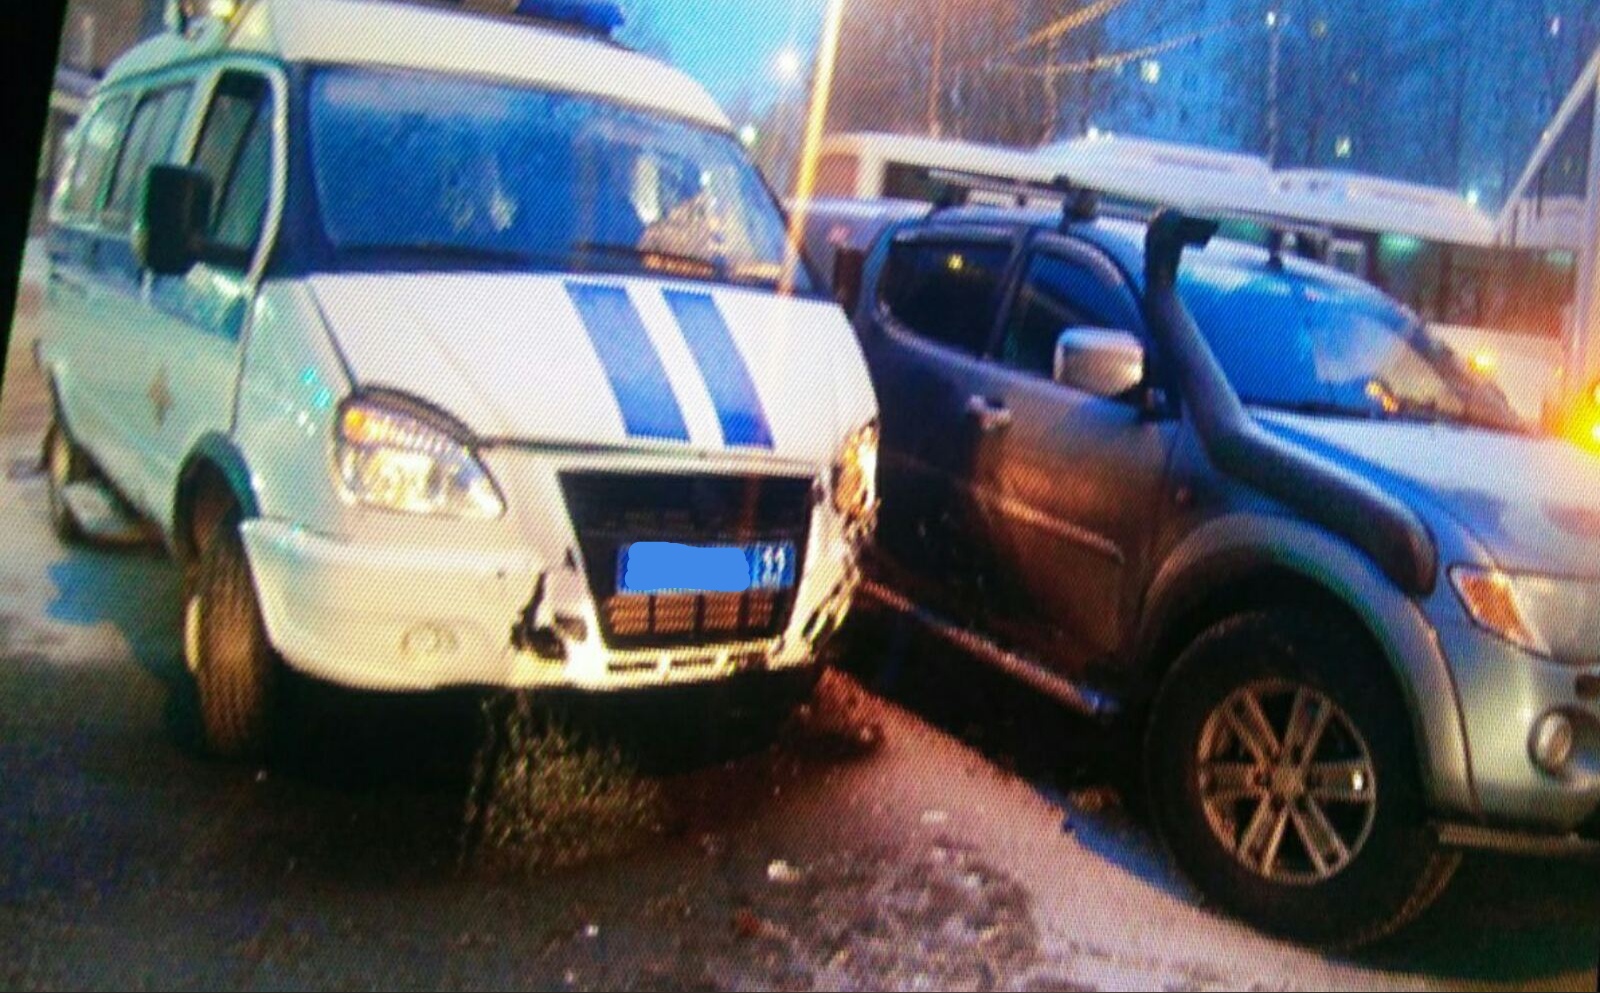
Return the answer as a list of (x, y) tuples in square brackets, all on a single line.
[(667, 567)]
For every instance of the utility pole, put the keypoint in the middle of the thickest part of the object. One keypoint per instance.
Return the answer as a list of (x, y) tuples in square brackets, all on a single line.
[(1274, 65), (936, 85)]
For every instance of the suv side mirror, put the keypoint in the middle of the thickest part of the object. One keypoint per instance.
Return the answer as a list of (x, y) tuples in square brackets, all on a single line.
[(173, 226), (1100, 362)]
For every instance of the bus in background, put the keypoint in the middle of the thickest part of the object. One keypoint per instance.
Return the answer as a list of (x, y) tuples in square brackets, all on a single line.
[(1554, 210), (872, 166), (1428, 248)]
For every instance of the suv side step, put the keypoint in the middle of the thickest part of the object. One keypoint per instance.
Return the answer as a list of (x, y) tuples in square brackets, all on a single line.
[(1019, 667), (1472, 837)]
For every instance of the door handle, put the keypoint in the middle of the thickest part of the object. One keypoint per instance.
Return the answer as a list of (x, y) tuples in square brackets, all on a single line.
[(991, 415)]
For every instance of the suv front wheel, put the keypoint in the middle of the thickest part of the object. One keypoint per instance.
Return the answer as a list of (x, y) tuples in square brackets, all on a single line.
[(1285, 784)]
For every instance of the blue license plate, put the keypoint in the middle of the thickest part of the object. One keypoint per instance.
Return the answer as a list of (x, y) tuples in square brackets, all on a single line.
[(667, 567)]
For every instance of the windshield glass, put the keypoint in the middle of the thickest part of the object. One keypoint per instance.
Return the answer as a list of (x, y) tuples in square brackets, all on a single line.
[(1289, 345), (493, 174)]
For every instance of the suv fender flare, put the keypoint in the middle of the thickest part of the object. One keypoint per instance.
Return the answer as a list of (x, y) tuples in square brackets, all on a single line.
[(218, 453), (1237, 547)]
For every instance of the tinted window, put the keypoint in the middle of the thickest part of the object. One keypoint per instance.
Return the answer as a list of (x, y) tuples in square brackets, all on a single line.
[(150, 138), (235, 150), (100, 137), (947, 292), (1059, 292)]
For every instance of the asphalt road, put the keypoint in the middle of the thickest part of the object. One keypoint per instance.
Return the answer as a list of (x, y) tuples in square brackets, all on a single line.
[(948, 832)]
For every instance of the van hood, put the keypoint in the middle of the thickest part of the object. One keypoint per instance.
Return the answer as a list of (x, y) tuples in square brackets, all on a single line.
[(1534, 503), (608, 362)]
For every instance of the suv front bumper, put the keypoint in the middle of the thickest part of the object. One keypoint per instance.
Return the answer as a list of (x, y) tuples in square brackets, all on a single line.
[(1505, 693), (418, 619)]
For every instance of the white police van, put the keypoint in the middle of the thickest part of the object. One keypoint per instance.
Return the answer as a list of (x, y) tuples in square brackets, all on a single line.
[(448, 348)]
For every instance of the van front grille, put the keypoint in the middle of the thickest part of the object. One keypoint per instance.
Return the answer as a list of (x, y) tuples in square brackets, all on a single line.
[(613, 510)]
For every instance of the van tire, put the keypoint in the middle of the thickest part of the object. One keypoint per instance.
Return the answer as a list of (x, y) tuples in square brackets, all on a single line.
[(236, 671), (64, 464), (1359, 786)]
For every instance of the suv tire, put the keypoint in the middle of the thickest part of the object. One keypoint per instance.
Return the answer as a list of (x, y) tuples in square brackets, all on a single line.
[(235, 669), (1327, 844)]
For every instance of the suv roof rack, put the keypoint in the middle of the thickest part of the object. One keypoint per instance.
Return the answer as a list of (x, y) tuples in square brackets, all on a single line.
[(1077, 203), (1080, 204)]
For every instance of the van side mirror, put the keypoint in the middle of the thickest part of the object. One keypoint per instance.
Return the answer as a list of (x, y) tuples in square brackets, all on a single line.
[(175, 221), (1100, 362)]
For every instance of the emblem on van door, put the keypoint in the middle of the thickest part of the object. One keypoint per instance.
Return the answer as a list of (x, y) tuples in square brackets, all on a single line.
[(160, 397)]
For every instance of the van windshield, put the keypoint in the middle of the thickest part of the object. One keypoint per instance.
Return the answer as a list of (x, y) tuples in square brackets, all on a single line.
[(423, 170), (1287, 344)]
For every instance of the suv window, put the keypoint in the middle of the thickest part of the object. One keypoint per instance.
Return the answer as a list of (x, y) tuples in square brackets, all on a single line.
[(95, 150), (1058, 292), (948, 292), (235, 150), (149, 141)]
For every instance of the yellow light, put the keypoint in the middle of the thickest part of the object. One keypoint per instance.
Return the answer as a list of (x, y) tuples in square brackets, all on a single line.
[(957, 263), (224, 9), (1485, 361), (811, 153)]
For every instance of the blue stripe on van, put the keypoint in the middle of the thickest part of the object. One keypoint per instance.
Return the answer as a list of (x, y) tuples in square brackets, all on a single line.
[(638, 379), (744, 422)]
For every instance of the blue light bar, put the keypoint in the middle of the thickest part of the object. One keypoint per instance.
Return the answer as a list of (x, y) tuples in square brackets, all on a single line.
[(600, 16)]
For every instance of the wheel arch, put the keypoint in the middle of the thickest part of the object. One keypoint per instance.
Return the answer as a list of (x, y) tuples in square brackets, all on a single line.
[(215, 475), (1236, 565)]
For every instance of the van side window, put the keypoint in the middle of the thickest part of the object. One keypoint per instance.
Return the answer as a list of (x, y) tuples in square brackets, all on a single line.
[(235, 150), (1059, 292), (150, 140), (95, 151), (948, 292)]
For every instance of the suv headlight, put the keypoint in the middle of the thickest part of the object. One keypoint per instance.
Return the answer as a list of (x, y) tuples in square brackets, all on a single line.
[(398, 455), (855, 478), (1555, 618)]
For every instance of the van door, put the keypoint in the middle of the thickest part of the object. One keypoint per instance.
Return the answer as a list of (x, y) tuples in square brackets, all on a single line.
[(129, 324), (193, 345), (938, 302), (1070, 500), (76, 322)]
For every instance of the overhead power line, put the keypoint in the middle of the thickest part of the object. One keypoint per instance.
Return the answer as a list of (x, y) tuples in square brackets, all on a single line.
[(1068, 24), (1101, 63)]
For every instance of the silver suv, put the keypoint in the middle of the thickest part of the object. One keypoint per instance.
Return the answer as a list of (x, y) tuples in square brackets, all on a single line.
[(1348, 602)]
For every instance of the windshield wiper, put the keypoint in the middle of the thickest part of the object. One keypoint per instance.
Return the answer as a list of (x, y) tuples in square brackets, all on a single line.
[(1318, 408), (716, 268), (446, 251)]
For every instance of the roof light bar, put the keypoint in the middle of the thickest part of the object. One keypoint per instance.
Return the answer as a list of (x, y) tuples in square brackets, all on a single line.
[(600, 16)]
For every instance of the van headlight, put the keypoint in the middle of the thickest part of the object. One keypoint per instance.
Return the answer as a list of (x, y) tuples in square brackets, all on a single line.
[(1558, 619), (855, 477), (400, 456)]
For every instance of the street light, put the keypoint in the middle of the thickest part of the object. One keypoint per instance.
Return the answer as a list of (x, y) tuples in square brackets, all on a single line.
[(788, 64)]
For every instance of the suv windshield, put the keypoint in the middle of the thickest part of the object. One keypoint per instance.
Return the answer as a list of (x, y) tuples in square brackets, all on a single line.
[(1288, 344), (493, 174)]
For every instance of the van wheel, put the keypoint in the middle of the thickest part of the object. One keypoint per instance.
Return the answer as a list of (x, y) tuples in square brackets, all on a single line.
[(235, 669), (1284, 782), (64, 463)]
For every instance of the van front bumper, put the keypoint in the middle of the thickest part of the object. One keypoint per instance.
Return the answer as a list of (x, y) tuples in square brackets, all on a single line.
[(418, 619)]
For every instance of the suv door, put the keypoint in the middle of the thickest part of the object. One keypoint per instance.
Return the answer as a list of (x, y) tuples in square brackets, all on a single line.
[(938, 301), (1071, 498)]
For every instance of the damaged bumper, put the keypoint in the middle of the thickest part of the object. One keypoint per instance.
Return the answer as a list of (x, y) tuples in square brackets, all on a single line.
[(418, 619)]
